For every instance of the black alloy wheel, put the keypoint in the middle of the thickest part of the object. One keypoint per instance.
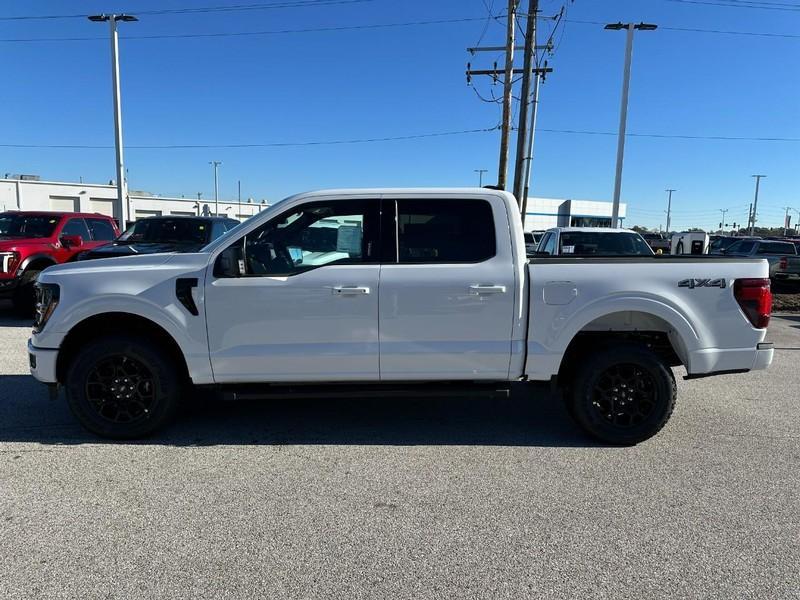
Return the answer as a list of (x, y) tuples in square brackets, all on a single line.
[(121, 389), (621, 393), (124, 386)]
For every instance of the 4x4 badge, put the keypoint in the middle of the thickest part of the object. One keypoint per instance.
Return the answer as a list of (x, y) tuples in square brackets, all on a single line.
[(696, 283)]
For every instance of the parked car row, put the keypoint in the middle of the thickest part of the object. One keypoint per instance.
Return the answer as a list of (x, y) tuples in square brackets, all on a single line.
[(32, 241)]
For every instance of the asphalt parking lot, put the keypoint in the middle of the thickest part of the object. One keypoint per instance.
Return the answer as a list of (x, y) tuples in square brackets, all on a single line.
[(405, 498)]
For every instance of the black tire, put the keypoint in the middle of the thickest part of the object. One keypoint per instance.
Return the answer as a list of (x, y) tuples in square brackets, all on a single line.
[(623, 394), (24, 298), (123, 387)]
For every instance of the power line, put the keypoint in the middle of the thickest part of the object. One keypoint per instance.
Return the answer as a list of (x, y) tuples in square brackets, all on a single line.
[(756, 6), (255, 145), (255, 33), (204, 9), (676, 136), (700, 30)]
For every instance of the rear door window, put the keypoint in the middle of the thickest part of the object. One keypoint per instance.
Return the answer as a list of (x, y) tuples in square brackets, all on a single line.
[(445, 231), (775, 248)]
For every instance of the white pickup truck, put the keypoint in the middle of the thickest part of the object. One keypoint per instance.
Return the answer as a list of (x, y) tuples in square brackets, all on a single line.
[(387, 291)]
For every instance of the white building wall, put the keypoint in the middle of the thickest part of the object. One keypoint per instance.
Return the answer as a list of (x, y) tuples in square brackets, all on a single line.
[(544, 213), (88, 197)]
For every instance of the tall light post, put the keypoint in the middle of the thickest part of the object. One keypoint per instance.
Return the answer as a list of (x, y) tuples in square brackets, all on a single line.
[(122, 183), (480, 173), (755, 204), (623, 112), (216, 164), (669, 207)]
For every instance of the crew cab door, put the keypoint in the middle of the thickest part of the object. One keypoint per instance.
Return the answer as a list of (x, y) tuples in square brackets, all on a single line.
[(447, 298), (304, 304)]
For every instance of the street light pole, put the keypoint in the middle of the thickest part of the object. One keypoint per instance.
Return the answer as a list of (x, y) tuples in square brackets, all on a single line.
[(669, 208), (122, 182), (480, 173), (216, 164), (623, 112), (755, 204)]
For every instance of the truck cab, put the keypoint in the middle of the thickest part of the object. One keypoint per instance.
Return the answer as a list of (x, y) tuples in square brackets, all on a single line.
[(31, 241)]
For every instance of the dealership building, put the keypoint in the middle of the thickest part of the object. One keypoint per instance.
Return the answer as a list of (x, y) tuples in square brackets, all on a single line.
[(29, 192)]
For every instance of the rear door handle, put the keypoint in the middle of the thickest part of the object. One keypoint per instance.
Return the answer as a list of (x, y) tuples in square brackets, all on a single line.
[(350, 290), (487, 289)]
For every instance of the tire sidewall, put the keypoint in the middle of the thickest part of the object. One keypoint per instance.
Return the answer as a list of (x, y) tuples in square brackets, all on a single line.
[(165, 382), (589, 418)]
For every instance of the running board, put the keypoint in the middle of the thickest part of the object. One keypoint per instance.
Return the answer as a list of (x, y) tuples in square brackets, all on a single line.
[(366, 390)]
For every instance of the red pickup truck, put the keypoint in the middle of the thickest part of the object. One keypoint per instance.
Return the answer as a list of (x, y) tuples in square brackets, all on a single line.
[(32, 241)]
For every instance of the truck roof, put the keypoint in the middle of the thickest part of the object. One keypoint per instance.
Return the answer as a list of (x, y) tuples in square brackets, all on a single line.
[(592, 229)]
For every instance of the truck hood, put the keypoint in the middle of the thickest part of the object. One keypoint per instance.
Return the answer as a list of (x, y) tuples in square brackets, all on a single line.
[(137, 248), (10, 243), (124, 267)]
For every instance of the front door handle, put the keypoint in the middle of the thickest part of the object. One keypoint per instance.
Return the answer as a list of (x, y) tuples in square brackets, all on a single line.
[(350, 290), (487, 289)]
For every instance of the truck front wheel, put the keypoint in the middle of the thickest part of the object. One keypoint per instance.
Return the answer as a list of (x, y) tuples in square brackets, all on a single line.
[(122, 387), (622, 394)]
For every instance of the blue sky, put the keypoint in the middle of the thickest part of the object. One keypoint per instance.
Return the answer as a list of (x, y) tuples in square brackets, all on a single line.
[(387, 82)]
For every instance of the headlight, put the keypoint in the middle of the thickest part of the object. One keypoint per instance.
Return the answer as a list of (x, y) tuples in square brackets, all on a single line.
[(8, 261), (47, 296)]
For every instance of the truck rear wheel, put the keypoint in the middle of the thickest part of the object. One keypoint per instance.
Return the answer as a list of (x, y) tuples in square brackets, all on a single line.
[(122, 387), (622, 394)]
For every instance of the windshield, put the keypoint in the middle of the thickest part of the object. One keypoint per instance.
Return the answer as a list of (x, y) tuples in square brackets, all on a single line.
[(27, 226), (158, 230), (588, 243)]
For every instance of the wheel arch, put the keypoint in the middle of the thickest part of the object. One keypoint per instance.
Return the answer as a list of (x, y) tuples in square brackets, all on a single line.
[(666, 337), (98, 325), (40, 261)]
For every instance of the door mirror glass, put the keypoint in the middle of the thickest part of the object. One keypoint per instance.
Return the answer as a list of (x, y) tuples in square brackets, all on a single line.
[(227, 264), (71, 241)]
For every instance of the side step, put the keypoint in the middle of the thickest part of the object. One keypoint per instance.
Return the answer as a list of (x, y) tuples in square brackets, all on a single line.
[(366, 390)]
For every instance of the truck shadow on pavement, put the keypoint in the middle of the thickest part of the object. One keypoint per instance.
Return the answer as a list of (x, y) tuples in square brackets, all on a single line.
[(531, 417)]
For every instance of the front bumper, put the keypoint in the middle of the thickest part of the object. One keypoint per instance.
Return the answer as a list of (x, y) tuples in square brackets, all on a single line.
[(43, 363)]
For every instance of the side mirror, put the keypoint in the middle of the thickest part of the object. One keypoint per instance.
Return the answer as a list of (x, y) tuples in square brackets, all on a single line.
[(71, 241), (227, 264)]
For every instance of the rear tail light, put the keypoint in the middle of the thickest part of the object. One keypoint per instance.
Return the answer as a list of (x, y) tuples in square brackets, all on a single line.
[(755, 299), (784, 263)]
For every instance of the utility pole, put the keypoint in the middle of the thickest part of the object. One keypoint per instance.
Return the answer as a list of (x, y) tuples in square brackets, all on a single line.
[(750, 218), (755, 204), (524, 98), (623, 112), (122, 183), (507, 89), (216, 164), (480, 173), (722, 223), (669, 207), (240, 191)]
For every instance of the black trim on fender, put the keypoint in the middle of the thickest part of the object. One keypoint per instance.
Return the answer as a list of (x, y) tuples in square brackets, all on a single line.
[(183, 291), (712, 373), (28, 260)]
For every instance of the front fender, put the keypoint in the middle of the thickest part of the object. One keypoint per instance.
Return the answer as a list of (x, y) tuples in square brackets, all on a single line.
[(188, 331)]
